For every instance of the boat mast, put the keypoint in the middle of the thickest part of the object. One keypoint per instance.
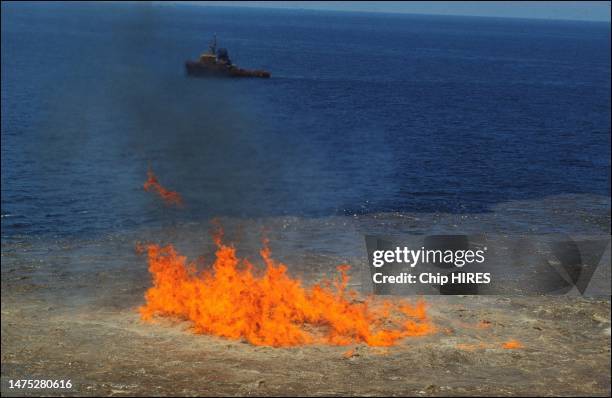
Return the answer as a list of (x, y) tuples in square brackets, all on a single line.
[(213, 45)]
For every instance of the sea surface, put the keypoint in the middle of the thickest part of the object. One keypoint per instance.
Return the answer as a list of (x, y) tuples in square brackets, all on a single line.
[(365, 114)]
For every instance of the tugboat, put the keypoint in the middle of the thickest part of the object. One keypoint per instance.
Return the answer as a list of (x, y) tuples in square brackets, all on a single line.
[(216, 63)]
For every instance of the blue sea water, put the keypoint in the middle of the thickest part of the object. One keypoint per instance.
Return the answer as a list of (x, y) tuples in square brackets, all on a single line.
[(364, 113)]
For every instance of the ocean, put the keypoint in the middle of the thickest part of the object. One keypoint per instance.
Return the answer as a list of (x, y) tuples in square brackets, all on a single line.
[(365, 114)]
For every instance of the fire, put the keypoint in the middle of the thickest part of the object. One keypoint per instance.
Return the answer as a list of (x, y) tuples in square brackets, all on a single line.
[(512, 345), (169, 197), (268, 307)]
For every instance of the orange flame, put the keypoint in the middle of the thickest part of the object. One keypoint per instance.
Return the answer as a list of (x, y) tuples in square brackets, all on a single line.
[(234, 300), (169, 197), (512, 345)]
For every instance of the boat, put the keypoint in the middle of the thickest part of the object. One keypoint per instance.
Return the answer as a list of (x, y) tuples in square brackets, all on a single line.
[(217, 63)]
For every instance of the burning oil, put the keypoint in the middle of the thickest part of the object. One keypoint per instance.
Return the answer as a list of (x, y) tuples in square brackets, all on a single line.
[(236, 300)]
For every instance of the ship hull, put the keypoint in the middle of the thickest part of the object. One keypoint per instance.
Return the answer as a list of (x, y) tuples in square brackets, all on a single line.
[(197, 69)]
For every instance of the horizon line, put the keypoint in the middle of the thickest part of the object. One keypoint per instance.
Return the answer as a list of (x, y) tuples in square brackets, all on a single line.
[(280, 6)]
